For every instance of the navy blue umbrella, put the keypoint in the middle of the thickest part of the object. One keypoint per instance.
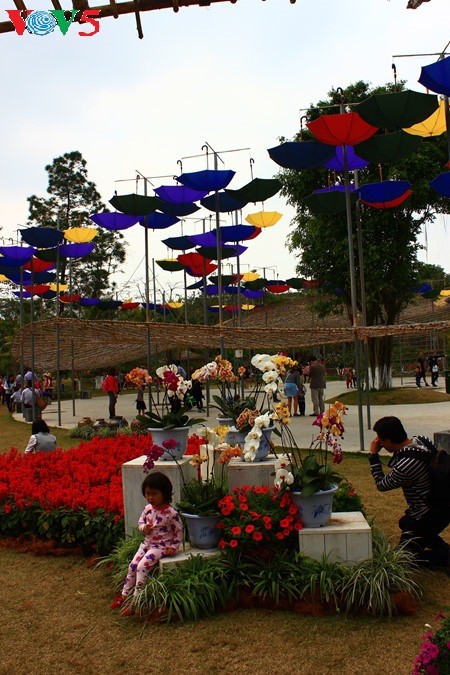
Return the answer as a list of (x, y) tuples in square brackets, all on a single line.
[(441, 184), (209, 179), (385, 192), (436, 76), (42, 237), (301, 155), (183, 243), (158, 221)]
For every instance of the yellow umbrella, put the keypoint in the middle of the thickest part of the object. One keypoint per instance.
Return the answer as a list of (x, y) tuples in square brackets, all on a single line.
[(80, 235), (61, 287), (3, 278), (264, 218), (445, 292), (435, 125), (247, 307), (250, 276), (175, 305)]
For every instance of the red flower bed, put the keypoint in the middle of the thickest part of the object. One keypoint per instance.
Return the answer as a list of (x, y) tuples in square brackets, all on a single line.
[(73, 496)]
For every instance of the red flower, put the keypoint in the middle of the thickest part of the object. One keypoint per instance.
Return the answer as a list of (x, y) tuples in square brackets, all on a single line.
[(244, 507), (279, 535), (220, 525), (236, 530), (234, 543), (222, 543), (249, 529), (285, 522), (298, 526), (257, 536), (293, 510), (7, 508)]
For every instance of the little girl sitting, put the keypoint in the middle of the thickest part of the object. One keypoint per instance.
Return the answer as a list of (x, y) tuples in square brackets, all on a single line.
[(163, 531)]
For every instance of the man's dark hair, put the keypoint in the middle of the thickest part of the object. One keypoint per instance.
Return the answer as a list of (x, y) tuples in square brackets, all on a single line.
[(390, 428)]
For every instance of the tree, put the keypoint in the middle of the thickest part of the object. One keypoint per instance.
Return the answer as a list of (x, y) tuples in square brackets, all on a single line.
[(389, 237), (72, 197)]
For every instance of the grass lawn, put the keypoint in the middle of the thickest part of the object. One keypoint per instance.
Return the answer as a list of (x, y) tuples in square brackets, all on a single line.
[(56, 617)]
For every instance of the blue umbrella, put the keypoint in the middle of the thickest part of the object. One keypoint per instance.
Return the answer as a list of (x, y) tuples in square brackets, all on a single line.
[(16, 256), (209, 179), (178, 209), (441, 184), (158, 221), (76, 250), (301, 155), (114, 221), (42, 237), (354, 162), (89, 302), (384, 192), (180, 194), (436, 76), (183, 243)]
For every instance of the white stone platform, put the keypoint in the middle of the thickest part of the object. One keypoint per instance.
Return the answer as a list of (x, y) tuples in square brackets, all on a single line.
[(132, 477), (347, 538), (251, 473), (183, 555)]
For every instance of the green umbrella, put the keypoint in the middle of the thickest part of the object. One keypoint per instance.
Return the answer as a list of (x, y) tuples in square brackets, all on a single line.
[(293, 282), (385, 148), (327, 203), (258, 190), (210, 252), (227, 279), (256, 285), (397, 110), (136, 205), (47, 254), (170, 265)]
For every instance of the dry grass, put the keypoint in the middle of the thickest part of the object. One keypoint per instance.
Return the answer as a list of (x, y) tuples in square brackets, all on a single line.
[(56, 619)]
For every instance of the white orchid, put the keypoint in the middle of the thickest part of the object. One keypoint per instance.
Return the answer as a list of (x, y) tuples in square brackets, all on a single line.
[(283, 477), (281, 463), (270, 376)]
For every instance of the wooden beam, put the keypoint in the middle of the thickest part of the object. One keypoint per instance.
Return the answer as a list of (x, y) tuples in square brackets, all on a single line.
[(56, 4), (114, 8), (20, 5)]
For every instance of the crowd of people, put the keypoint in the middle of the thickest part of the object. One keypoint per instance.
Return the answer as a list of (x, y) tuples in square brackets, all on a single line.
[(14, 392)]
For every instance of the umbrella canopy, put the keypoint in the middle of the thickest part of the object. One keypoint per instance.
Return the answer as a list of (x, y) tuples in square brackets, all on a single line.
[(37, 289), (175, 305), (179, 194), (183, 243), (135, 205), (250, 276), (436, 76), (385, 194), (301, 155), (264, 218), (67, 299), (15, 256), (343, 129), (80, 235), (114, 221), (258, 190), (435, 125), (327, 203), (89, 302), (223, 202), (42, 237), (253, 295), (354, 162), (225, 251), (397, 110), (129, 305), (385, 148), (75, 250), (256, 284), (59, 287), (195, 286), (197, 264), (178, 209), (37, 265), (227, 279), (47, 254), (158, 221), (208, 180), (277, 287), (295, 283), (170, 265), (441, 184)]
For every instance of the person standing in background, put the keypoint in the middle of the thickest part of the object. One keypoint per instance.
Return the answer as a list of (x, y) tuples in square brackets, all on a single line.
[(317, 380), (110, 385), (423, 370)]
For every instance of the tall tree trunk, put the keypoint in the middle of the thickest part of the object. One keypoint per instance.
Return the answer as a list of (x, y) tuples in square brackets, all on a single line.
[(380, 359)]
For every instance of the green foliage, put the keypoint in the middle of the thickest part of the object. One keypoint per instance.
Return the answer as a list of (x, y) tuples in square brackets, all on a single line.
[(167, 420), (322, 578), (201, 497), (120, 556), (277, 579), (88, 431), (371, 583), (233, 408), (347, 499), (314, 476)]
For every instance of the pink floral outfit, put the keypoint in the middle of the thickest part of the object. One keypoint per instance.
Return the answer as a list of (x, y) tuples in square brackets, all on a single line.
[(167, 532)]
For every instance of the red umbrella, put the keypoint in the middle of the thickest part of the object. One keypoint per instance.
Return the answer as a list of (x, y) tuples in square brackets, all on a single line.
[(37, 289), (37, 265), (197, 264), (343, 129)]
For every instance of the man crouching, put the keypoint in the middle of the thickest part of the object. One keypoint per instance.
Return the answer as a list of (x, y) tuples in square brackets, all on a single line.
[(421, 523)]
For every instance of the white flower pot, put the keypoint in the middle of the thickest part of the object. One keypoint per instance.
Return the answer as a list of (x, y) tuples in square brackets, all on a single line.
[(179, 434), (315, 510)]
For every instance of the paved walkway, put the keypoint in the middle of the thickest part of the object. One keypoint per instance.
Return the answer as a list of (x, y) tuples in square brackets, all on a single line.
[(425, 418)]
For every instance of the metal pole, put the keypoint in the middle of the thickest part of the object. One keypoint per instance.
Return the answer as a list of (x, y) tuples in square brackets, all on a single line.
[(155, 313)]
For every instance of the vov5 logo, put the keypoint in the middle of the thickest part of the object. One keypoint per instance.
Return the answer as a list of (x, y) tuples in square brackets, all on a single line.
[(40, 22)]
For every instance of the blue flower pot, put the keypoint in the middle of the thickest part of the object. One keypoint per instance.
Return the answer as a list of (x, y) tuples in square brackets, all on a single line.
[(202, 530), (234, 437), (179, 434), (315, 510)]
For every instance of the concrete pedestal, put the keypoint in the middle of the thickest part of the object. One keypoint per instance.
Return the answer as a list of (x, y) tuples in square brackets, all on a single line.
[(251, 473), (133, 476), (184, 555), (347, 538)]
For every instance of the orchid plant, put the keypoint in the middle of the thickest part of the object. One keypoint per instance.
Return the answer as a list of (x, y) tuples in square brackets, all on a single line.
[(174, 408), (313, 471)]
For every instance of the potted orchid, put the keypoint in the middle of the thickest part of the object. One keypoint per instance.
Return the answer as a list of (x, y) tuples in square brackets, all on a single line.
[(311, 475)]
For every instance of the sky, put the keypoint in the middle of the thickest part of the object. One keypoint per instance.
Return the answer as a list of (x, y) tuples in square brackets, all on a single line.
[(237, 76)]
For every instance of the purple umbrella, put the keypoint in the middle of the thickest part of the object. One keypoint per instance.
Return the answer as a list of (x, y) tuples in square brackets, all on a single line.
[(180, 194), (336, 163), (436, 76), (114, 221), (16, 256), (76, 250), (208, 179)]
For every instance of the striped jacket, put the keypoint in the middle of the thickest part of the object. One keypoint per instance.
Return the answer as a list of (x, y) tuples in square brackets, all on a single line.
[(411, 473)]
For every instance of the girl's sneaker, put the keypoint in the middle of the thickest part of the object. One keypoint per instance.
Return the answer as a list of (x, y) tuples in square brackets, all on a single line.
[(117, 602)]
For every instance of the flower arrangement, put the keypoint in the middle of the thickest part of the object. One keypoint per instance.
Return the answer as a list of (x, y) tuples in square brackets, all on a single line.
[(273, 367), (139, 377), (314, 471), (201, 495), (434, 657), (155, 452), (253, 438), (253, 516), (174, 411)]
